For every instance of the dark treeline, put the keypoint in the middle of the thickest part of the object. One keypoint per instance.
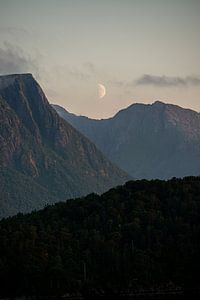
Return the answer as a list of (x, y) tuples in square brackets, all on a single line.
[(145, 234)]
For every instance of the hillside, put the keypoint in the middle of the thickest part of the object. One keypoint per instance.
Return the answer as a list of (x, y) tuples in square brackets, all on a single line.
[(147, 141), (143, 236), (43, 159)]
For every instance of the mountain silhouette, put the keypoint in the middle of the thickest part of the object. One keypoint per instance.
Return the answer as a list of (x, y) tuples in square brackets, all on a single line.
[(147, 141), (43, 159)]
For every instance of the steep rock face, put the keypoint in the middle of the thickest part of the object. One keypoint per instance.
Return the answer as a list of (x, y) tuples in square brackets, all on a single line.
[(147, 141), (36, 144)]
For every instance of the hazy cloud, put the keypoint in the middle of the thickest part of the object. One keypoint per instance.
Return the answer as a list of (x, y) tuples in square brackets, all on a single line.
[(13, 60), (84, 72), (13, 31), (117, 83), (78, 74), (90, 67), (167, 81)]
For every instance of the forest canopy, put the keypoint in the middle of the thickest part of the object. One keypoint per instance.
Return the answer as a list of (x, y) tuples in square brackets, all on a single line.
[(145, 234)]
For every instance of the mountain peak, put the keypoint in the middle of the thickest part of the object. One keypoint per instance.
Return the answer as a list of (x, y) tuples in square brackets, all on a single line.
[(16, 75), (158, 140), (7, 80), (42, 157), (158, 102)]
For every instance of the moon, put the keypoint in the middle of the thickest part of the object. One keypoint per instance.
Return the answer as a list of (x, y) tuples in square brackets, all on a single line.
[(101, 90)]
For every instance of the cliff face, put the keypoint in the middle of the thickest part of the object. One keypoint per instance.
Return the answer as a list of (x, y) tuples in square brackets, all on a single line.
[(147, 141), (36, 144)]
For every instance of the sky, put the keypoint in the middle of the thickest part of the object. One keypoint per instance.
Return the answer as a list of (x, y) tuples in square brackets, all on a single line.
[(140, 50)]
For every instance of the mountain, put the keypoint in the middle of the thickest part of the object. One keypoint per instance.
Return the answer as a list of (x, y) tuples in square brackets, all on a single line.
[(43, 159), (139, 238), (147, 141)]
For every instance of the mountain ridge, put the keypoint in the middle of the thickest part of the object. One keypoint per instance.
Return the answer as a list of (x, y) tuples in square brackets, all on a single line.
[(139, 104), (37, 143), (147, 140)]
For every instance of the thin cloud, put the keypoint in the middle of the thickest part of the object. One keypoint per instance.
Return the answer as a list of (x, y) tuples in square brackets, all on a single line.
[(117, 83), (13, 31), (81, 75), (90, 67), (13, 60), (85, 72), (167, 81)]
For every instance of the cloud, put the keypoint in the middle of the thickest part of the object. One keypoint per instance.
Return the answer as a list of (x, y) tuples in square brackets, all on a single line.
[(83, 72), (167, 81), (90, 67), (78, 74), (13, 60), (86, 71), (13, 31), (117, 83)]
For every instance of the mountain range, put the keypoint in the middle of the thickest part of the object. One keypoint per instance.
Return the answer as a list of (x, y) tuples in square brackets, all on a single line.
[(43, 159), (147, 141)]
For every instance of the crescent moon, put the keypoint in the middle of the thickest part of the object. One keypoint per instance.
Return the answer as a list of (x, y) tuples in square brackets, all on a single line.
[(101, 90)]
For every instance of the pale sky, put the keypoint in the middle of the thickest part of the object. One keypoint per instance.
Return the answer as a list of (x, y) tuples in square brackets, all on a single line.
[(140, 50)]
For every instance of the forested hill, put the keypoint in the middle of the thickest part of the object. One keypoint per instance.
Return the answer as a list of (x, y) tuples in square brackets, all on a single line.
[(145, 234)]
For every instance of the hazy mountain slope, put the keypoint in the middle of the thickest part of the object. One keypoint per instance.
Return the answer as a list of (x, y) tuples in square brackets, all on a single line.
[(148, 141), (19, 192), (38, 144)]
